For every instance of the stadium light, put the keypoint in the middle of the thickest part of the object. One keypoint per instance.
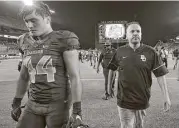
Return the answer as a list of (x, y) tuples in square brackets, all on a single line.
[(9, 36), (52, 11), (177, 38), (28, 2)]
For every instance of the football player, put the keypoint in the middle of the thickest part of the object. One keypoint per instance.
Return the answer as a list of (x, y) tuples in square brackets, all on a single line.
[(50, 63)]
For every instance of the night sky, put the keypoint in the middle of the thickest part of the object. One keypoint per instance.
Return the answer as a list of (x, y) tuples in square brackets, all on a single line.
[(159, 20)]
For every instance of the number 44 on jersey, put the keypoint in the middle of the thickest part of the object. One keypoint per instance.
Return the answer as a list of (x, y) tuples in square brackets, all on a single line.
[(44, 66)]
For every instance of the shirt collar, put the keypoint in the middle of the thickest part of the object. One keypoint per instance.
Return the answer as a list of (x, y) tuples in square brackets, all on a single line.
[(138, 49)]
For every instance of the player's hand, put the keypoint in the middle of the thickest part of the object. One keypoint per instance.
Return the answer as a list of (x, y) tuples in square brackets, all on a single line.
[(16, 109), (167, 105), (75, 121)]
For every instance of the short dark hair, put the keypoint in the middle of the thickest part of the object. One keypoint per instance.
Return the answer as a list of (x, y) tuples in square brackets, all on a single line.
[(39, 7), (133, 22)]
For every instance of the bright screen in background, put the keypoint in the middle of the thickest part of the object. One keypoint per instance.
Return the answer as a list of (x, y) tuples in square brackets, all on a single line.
[(114, 31)]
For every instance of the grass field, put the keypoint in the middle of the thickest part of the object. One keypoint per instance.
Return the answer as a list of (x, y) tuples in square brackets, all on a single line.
[(96, 112)]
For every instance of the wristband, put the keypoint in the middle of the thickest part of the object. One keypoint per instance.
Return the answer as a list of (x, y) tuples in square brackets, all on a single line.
[(77, 108)]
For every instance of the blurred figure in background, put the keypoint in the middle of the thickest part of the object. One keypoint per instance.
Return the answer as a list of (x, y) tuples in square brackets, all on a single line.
[(104, 60)]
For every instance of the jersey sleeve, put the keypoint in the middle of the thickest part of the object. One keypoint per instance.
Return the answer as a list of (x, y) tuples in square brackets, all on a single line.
[(158, 67), (113, 64), (70, 41)]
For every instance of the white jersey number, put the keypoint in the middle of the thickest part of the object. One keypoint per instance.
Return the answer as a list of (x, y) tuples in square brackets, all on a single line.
[(44, 66)]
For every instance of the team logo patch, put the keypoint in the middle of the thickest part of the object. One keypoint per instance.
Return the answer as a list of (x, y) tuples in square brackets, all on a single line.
[(142, 57)]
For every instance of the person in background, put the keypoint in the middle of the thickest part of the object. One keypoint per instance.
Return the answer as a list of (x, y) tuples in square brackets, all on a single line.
[(104, 59)]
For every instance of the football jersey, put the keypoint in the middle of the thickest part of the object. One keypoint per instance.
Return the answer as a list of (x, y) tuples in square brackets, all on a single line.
[(49, 80), (135, 78)]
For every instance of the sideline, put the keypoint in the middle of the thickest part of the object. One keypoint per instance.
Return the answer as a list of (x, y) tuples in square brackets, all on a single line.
[(170, 78)]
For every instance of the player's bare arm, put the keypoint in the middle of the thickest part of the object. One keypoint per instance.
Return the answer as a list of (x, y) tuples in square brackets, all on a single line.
[(22, 82), (163, 85), (21, 89), (72, 65)]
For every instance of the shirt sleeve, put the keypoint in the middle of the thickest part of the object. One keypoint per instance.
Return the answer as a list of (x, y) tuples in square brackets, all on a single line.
[(72, 43), (113, 64), (158, 68)]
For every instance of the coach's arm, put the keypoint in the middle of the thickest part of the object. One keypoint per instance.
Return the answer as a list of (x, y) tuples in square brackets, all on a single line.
[(163, 85)]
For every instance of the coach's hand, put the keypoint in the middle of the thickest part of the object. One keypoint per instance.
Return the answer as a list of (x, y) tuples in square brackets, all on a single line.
[(167, 105), (16, 108)]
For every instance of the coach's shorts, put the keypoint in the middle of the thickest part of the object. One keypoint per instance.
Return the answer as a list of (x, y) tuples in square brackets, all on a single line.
[(36, 115), (130, 118)]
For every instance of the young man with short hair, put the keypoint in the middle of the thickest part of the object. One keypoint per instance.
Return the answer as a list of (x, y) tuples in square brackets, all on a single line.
[(50, 63)]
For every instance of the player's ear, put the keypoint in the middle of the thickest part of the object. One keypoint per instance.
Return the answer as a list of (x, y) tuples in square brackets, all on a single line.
[(48, 20)]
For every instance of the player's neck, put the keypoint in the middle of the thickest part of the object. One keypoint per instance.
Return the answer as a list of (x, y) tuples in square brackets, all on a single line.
[(45, 34)]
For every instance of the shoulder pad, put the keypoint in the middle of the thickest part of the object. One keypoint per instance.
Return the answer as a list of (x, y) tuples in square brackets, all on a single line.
[(64, 34), (65, 40)]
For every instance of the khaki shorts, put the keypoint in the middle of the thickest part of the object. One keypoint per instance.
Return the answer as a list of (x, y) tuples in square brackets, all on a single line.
[(130, 118)]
